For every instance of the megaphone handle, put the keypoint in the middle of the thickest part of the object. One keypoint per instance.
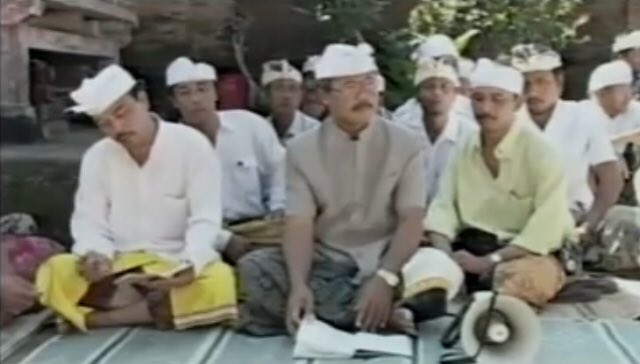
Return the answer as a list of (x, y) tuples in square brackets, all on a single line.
[(487, 323), (452, 334)]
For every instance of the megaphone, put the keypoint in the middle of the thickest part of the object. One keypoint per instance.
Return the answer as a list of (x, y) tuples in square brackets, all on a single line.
[(507, 333), (498, 329)]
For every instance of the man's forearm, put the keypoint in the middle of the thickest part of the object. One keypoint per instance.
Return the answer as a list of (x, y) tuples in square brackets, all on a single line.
[(405, 242), (512, 252), (609, 186), (298, 249)]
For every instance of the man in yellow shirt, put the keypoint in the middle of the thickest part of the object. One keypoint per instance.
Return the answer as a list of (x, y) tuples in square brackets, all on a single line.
[(502, 205)]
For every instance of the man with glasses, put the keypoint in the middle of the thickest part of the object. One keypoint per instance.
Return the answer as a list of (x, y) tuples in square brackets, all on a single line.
[(147, 213), (283, 85), (355, 201)]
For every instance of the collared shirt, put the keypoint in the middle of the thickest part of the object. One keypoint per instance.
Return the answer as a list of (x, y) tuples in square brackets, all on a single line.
[(355, 189), (169, 206), (526, 204), (436, 154), (301, 123), (582, 143), (252, 162), (621, 124), (411, 109)]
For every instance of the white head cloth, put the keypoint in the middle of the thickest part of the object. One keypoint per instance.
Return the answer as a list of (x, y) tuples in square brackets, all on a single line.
[(185, 70), (492, 74), (610, 74), (95, 95), (532, 57), (279, 70), (310, 64), (636, 182), (627, 41), (432, 264), (382, 84), (340, 60), (435, 46), (466, 67), (431, 68)]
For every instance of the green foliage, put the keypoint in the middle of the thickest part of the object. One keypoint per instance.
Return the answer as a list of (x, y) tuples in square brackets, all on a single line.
[(345, 19), (393, 55), (501, 23)]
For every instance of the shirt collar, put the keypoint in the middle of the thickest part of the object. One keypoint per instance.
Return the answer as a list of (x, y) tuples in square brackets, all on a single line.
[(451, 130), (553, 119), (507, 145)]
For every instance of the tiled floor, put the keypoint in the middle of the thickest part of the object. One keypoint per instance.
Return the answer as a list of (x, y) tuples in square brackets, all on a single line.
[(565, 340)]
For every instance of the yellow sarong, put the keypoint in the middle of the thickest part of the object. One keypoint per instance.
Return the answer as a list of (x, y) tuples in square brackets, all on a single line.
[(210, 299), (260, 232)]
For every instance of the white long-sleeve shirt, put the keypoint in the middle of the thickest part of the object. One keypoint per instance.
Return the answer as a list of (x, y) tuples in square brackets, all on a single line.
[(623, 123), (301, 123), (581, 142), (170, 206), (253, 166), (436, 154)]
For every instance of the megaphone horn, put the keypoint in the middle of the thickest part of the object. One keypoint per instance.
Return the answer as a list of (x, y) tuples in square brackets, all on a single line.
[(497, 329), (505, 331)]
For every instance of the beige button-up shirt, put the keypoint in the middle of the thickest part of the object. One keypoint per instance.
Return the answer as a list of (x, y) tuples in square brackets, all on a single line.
[(355, 188)]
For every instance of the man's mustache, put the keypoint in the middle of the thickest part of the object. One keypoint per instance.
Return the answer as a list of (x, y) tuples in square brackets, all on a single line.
[(485, 117), (122, 136), (362, 105), (534, 100)]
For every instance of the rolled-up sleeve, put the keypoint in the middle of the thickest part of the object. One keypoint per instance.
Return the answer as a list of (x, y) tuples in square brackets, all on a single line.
[(442, 216), (412, 190), (300, 199), (90, 219), (550, 221), (204, 196)]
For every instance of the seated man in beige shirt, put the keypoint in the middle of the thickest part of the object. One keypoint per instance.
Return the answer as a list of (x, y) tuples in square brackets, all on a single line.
[(502, 205), (355, 201)]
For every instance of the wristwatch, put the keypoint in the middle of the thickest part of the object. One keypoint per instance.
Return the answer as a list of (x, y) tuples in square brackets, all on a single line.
[(496, 258), (390, 278)]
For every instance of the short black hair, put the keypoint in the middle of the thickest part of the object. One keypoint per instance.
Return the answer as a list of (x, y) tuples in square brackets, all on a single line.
[(141, 85)]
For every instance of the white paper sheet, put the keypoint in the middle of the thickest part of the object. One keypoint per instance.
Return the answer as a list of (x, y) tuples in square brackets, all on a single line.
[(318, 340)]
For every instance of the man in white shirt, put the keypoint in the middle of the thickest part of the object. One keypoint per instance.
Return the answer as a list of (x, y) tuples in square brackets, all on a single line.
[(583, 144), (627, 48), (438, 47), (438, 129), (251, 158), (312, 103), (283, 86), (146, 217), (611, 104)]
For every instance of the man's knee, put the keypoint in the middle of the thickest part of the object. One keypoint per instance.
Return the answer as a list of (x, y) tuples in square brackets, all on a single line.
[(535, 280), (253, 264), (431, 269)]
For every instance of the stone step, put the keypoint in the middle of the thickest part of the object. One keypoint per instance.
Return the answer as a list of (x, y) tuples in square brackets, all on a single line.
[(55, 129)]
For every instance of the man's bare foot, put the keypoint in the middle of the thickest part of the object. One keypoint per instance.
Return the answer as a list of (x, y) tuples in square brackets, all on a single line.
[(402, 321)]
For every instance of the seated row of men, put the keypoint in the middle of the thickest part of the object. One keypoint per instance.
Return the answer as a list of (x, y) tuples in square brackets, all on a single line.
[(161, 208)]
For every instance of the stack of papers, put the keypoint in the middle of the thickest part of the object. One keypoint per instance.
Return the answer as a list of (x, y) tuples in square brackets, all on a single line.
[(318, 340)]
